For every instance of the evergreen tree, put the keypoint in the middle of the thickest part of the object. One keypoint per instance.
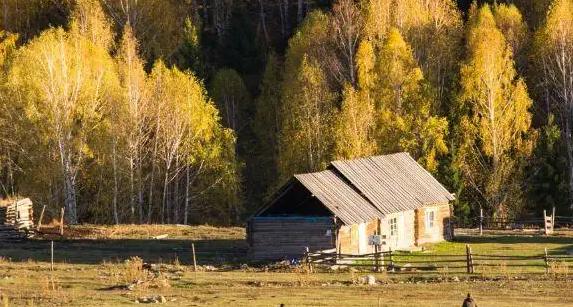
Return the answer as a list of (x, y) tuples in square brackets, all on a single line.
[(554, 49)]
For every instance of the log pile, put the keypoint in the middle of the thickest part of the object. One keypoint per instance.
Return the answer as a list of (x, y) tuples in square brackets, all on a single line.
[(16, 220)]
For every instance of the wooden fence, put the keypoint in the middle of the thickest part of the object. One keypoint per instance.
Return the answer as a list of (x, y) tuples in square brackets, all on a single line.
[(492, 223), (403, 262)]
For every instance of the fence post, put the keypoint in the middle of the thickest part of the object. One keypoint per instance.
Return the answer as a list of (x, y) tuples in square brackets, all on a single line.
[(307, 257), (545, 221), (376, 258), (480, 221), (546, 258), (62, 221), (553, 219), (194, 258), (52, 256), (41, 218), (468, 264), (390, 260), (471, 261)]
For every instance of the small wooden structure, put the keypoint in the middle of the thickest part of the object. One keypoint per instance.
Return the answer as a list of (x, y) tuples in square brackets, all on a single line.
[(346, 206), (549, 221), (16, 220)]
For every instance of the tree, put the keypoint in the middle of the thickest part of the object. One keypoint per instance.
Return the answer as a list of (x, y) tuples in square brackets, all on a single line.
[(64, 110), (434, 29), (347, 27), (496, 133), (510, 22), (132, 125), (554, 48), (8, 117), (90, 21), (266, 126), (405, 119), (354, 132), (308, 109), (232, 97)]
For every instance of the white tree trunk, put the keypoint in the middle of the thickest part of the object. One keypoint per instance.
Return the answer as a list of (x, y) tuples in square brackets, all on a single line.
[(115, 182)]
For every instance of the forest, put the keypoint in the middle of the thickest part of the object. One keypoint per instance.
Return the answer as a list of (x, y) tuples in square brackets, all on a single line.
[(196, 111)]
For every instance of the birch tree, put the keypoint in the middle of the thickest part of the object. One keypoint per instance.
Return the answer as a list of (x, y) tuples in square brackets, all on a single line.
[(134, 98), (496, 130), (64, 80)]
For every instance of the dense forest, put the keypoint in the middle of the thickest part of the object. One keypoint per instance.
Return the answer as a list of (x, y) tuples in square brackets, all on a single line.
[(195, 111)]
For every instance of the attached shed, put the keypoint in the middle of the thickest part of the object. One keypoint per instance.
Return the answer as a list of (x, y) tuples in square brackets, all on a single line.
[(342, 206)]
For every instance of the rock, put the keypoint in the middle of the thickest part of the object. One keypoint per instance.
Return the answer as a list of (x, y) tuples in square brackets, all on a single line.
[(244, 266), (369, 280), (456, 279), (209, 268), (157, 299)]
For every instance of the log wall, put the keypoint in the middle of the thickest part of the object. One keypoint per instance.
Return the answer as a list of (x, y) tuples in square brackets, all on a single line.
[(277, 238)]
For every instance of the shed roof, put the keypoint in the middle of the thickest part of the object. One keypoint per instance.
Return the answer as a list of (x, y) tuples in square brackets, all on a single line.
[(393, 183), (339, 197)]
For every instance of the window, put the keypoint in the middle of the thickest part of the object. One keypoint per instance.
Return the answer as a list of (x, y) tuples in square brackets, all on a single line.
[(430, 216), (393, 226)]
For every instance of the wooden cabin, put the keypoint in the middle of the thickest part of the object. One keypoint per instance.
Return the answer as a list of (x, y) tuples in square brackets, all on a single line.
[(346, 205)]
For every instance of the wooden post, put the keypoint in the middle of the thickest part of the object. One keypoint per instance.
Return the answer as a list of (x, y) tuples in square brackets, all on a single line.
[(376, 258), (307, 257), (553, 219), (194, 258), (52, 256), (41, 218), (545, 220), (471, 261), (390, 260), (546, 258), (62, 221), (480, 221), (468, 265)]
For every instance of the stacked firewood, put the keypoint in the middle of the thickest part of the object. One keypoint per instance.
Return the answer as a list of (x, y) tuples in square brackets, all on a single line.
[(16, 220)]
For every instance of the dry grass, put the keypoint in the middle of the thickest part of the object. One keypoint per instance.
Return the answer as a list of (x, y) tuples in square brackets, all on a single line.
[(116, 232), (87, 285), (82, 278)]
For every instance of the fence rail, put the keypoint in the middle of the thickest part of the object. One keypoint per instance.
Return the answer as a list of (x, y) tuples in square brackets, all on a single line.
[(469, 262)]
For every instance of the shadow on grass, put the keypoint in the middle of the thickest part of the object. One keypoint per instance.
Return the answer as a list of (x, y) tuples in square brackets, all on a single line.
[(514, 239), (208, 252)]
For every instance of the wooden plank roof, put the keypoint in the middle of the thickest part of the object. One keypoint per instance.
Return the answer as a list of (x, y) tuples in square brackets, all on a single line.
[(393, 183), (339, 197)]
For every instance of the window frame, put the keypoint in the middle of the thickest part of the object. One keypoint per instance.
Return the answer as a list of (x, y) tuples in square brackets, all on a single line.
[(393, 223), (430, 224)]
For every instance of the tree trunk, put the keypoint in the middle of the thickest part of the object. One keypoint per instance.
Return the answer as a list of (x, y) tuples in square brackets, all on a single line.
[(115, 182), (187, 196), (299, 13), (569, 144), (175, 201), (70, 196), (140, 190), (164, 200), (263, 21), (131, 191)]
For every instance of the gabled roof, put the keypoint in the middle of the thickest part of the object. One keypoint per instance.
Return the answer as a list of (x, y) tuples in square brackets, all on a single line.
[(393, 183), (339, 197), (364, 189)]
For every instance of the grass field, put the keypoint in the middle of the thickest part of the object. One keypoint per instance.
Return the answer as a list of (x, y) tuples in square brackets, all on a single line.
[(91, 270)]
